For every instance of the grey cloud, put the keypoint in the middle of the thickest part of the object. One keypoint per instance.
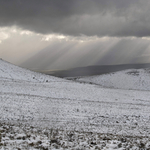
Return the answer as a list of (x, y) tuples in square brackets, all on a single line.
[(77, 17)]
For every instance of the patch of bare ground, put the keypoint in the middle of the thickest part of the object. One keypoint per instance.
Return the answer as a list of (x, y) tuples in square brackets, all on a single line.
[(28, 137)]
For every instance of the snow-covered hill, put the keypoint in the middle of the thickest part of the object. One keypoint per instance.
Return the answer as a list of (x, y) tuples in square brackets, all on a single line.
[(38, 111), (9, 71), (132, 79)]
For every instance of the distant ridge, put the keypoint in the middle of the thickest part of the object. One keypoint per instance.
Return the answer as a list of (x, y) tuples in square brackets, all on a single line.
[(95, 70)]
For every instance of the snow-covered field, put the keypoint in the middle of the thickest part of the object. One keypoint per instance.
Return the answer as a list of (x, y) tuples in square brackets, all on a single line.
[(39, 111)]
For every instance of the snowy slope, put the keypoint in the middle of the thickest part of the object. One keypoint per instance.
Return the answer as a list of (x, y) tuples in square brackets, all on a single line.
[(132, 79), (10, 71), (62, 102), (67, 105)]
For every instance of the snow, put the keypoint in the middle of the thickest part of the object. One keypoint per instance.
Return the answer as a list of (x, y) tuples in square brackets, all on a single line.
[(12, 72), (34, 109), (132, 79)]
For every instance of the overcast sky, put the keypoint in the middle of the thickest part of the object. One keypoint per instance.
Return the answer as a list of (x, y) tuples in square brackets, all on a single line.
[(61, 34)]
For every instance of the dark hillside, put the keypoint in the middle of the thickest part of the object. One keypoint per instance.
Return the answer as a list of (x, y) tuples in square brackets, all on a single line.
[(95, 70)]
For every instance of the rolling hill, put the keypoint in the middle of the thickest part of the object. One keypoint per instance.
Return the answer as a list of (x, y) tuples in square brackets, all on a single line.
[(131, 79)]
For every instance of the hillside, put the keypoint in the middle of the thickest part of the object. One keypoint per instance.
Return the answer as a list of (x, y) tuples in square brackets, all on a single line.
[(11, 72), (95, 70), (46, 112), (132, 79)]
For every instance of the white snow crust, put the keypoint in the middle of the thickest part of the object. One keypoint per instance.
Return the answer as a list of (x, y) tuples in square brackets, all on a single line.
[(46, 102)]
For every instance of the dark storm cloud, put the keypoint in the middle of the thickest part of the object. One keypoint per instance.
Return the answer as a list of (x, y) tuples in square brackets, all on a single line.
[(76, 17)]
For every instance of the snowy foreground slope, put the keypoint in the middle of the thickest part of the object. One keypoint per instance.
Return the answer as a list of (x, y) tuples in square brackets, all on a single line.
[(39, 111), (132, 79)]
